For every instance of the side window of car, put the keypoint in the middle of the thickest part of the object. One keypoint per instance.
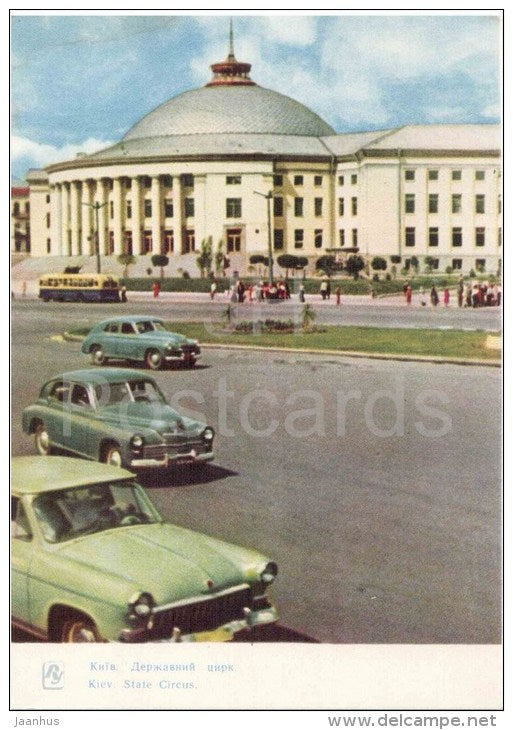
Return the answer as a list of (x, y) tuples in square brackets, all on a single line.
[(127, 328), (59, 391), (112, 327), (80, 396), (20, 528)]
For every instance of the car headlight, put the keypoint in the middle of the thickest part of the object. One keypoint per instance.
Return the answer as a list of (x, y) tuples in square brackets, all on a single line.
[(136, 442), (140, 606), (170, 346), (208, 434), (269, 573)]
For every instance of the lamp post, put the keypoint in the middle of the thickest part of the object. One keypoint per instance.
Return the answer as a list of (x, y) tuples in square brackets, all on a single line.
[(96, 207), (268, 196)]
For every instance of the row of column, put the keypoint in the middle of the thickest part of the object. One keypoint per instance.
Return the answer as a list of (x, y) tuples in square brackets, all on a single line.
[(73, 218)]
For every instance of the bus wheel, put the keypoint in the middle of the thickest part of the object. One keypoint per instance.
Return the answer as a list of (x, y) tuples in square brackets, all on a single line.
[(98, 355)]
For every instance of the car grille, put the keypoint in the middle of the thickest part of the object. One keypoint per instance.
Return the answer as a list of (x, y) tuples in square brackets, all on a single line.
[(203, 615), (189, 349), (158, 451)]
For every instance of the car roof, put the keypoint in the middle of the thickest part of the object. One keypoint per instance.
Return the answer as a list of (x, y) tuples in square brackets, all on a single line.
[(102, 375), (130, 318), (38, 474)]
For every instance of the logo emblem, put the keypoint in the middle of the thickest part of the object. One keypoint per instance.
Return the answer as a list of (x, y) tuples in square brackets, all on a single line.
[(53, 675)]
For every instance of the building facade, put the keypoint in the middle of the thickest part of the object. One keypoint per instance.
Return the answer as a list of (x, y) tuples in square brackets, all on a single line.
[(20, 219), (252, 170)]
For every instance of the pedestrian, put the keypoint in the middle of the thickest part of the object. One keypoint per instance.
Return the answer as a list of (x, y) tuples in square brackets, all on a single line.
[(240, 291), (408, 294), (460, 296), (328, 290), (447, 296), (156, 289), (287, 290), (405, 287), (122, 293), (372, 292), (434, 296), (468, 296), (324, 289), (338, 292), (213, 289), (422, 295), (301, 293)]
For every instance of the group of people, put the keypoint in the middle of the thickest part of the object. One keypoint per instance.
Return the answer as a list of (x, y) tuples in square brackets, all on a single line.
[(260, 292), (467, 295)]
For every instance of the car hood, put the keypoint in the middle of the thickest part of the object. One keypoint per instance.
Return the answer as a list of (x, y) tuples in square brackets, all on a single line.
[(164, 337), (157, 416), (169, 562)]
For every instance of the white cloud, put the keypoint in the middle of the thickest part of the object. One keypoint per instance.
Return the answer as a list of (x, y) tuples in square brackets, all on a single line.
[(40, 155), (293, 31)]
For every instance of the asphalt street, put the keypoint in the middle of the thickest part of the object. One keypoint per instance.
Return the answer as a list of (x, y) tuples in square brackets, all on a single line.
[(376, 486)]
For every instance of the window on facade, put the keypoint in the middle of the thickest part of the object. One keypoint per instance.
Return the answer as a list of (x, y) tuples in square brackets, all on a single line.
[(27, 207), (435, 263), (480, 264), (341, 206), (409, 174), (340, 179), (433, 203), (298, 206), (318, 238), (168, 244), (480, 203), (278, 206), (499, 204), (499, 236), (318, 206), (409, 203), (147, 242), (233, 179), (298, 179), (111, 209), (146, 181), (317, 180), (233, 207), (168, 208), (188, 180), (298, 238), (189, 207), (190, 240), (16, 209), (342, 237), (147, 208), (278, 181), (127, 181), (456, 174), (433, 237), (457, 237), (480, 174), (278, 239), (354, 236), (110, 184), (409, 237), (456, 204), (233, 240), (480, 236), (167, 181), (456, 264), (354, 206), (48, 245), (432, 174), (128, 208), (354, 179), (48, 220), (47, 198), (128, 244)]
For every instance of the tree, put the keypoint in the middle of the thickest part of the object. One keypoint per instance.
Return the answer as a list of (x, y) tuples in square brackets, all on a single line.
[(414, 262), (288, 261), (395, 259), (204, 259), (326, 264), (354, 265), (126, 260), (430, 263), (378, 263), (160, 260), (258, 259)]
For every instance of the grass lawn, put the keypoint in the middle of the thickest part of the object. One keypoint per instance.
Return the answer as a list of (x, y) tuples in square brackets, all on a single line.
[(399, 341)]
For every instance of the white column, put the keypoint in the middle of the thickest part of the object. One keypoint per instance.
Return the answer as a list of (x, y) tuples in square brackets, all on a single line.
[(101, 198), (64, 219), (87, 219), (178, 213), (136, 216), (156, 232), (55, 220), (117, 221), (74, 217)]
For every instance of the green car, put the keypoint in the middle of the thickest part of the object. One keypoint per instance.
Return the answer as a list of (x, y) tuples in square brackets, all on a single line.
[(92, 560), (139, 339), (116, 416)]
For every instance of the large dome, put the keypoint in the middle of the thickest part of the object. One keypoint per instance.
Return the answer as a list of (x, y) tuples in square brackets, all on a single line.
[(225, 109)]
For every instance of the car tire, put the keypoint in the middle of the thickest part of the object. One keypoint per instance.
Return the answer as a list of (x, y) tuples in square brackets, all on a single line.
[(98, 355), (154, 359), (190, 362), (79, 630), (112, 456), (42, 440)]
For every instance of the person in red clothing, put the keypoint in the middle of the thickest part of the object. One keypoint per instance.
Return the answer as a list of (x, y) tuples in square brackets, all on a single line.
[(447, 296), (408, 294), (156, 289)]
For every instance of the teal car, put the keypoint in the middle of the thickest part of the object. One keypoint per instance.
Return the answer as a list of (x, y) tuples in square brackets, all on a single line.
[(139, 339), (93, 560), (116, 416)]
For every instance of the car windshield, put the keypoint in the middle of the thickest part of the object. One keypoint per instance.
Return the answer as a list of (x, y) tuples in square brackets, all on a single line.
[(69, 513), (126, 391), (149, 326)]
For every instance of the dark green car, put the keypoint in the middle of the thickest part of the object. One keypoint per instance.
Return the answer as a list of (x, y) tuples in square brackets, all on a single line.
[(139, 338), (92, 560), (120, 417)]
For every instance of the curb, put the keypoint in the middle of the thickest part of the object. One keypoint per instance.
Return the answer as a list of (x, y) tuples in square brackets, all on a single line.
[(67, 337)]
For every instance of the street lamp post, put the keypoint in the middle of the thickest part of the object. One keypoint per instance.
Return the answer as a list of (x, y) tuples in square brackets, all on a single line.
[(268, 196), (96, 207)]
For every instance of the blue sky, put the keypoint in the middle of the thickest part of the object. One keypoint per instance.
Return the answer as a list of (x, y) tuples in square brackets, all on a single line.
[(79, 82)]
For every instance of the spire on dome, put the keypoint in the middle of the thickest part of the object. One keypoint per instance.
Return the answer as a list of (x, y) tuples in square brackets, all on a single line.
[(231, 72)]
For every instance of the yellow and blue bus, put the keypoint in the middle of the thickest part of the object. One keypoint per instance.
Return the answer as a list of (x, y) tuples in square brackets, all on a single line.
[(78, 288)]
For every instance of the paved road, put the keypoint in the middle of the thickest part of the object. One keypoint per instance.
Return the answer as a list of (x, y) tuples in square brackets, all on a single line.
[(383, 532)]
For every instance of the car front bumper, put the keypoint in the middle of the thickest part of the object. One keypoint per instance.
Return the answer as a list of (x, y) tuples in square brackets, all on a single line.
[(182, 356), (171, 460)]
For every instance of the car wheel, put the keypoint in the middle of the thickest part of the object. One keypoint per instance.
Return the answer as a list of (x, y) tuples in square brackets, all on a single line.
[(42, 440), (113, 456), (98, 355), (190, 362), (79, 630), (154, 359)]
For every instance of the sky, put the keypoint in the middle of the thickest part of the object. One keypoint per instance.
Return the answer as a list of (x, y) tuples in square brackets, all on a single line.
[(80, 82)]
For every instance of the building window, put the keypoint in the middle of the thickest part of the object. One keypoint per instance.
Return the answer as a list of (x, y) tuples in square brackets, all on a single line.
[(233, 179), (16, 209), (168, 244), (354, 235), (435, 263), (318, 238), (480, 236), (47, 198), (147, 242), (456, 204), (409, 203), (499, 204), (48, 245), (340, 179), (27, 207), (433, 203), (298, 179), (457, 237), (354, 179), (298, 206), (456, 264), (317, 180), (433, 236), (233, 240), (456, 175), (480, 203), (111, 209), (341, 206), (278, 207), (167, 181), (147, 181), (278, 239), (190, 240), (48, 220), (147, 208), (189, 207), (233, 207), (410, 237), (127, 181), (354, 206), (128, 208), (127, 243), (278, 181), (318, 206), (409, 174), (432, 174), (168, 208), (480, 174), (499, 237), (188, 180), (342, 237), (480, 265), (298, 238)]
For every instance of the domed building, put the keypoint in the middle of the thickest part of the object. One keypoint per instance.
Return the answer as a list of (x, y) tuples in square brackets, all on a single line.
[(253, 171)]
